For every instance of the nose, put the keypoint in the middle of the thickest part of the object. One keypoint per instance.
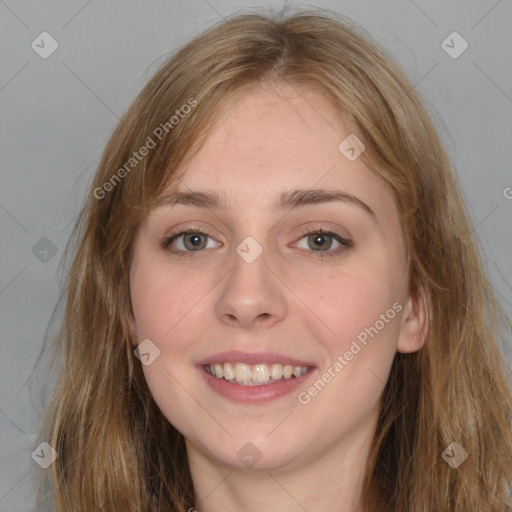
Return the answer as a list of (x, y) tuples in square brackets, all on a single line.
[(251, 295)]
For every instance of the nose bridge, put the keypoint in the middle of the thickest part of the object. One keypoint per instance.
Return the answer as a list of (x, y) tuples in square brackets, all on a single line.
[(251, 293)]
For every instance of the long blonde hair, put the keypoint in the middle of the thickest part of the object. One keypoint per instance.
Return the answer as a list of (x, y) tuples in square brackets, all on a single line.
[(116, 449)]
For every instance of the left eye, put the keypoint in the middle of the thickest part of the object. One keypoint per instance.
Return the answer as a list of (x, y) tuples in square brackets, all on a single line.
[(320, 241)]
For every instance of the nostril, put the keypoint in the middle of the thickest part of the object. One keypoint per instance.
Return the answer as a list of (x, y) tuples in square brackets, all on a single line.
[(262, 317)]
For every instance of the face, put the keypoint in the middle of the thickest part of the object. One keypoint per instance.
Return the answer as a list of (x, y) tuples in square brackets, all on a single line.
[(281, 263)]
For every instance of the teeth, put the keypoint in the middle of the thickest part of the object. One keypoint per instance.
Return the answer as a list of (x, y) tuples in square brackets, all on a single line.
[(256, 375), (229, 372), (261, 373), (218, 371), (243, 372), (276, 371)]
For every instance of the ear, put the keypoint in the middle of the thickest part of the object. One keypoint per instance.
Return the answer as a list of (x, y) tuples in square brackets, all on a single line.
[(414, 325)]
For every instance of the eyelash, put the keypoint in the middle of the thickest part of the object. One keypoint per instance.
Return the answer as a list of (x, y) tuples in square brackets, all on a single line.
[(345, 243)]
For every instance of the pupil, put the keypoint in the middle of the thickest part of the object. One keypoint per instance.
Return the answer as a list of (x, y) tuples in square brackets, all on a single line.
[(193, 241), (320, 241)]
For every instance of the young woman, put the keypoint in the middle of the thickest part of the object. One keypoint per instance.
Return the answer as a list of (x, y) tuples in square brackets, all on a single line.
[(276, 301)]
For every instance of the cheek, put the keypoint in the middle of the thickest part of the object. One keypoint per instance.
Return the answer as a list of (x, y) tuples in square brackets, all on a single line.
[(167, 307), (362, 307), (363, 314), (354, 302), (162, 299), (170, 309)]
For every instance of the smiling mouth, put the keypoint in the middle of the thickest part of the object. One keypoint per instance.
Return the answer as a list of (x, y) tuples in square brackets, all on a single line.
[(255, 375)]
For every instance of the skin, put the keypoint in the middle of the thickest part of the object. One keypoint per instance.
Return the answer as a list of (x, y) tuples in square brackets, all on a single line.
[(289, 300)]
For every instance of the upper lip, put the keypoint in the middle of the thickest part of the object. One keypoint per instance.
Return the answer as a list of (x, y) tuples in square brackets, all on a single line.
[(236, 356)]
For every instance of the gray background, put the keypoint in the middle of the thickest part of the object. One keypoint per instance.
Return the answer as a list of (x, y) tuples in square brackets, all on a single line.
[(57, 113)]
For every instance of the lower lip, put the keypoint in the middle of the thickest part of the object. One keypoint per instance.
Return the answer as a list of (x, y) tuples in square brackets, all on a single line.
[(254, 394)]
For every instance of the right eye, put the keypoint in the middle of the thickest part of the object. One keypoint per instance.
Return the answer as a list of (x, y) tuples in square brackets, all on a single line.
[(187, 241)]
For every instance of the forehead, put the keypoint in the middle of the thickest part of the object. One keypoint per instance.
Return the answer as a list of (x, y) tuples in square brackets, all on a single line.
[(272, 125), (273, 139)]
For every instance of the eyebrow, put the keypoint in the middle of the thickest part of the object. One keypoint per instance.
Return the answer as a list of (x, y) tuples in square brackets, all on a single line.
[(286, 201)]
